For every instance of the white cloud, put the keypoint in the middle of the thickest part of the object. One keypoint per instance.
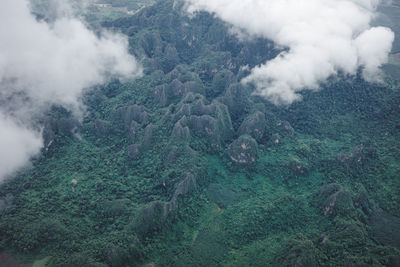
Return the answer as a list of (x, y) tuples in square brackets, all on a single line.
[(373, 48), (323, 38), (55, 62), (44, 63), (18, 144)]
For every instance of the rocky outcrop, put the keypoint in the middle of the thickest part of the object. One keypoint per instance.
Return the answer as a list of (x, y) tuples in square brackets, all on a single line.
[(176, 89), (243, 151), (334, 200), (170, 59), (150, 44), (279, 131), (67, 126), (102, 128), (254, 125), (157, 212), (211, 121), (182, 73), (160, 95), (178, 83), (178, 150), (181, 154), (206, 126), (62, 126), (236, 98), (186, 186), (220, 82), (181, 132), (49, 133), (276, 139), (167, 94), (147, 141), (134, 130), (196, 87), (284, 128), (135, 150), (359, 155), (132, 113)]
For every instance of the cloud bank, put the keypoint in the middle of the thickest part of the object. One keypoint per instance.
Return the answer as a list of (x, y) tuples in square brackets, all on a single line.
[(45, 63), (18, 145), (323, 37)]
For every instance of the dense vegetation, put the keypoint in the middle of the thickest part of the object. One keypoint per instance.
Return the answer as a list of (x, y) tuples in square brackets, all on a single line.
[(185, 167)]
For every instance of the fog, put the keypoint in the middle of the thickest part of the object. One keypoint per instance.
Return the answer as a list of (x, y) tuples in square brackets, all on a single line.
[(323, 38), (46, 63)]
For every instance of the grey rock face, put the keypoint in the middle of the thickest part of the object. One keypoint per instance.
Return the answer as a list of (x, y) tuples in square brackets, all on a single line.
[(133, 130), (204, 125), (243, 151), (183, 74), (167, 94), (67, 126), (236, 99), (195, 87), (178, 83), (186, 186), (174, 153), (148, 137), (146, 142), (49, 132), (132, 113), (284, 128), (199, 107), (334, 200), (157, 212), (276, 138), (134, 151), (254, 125), (183, 111), (221, 81), (211, 121), (101, 127), (53, 127), (180, 133), (176, 89), (160, 95)]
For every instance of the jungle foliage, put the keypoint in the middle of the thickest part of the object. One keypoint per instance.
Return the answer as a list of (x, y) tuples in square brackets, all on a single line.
[(185, 167)]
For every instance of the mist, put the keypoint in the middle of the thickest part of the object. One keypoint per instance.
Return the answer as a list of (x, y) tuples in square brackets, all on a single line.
[(47, 63), (18, 144), (322, 39)]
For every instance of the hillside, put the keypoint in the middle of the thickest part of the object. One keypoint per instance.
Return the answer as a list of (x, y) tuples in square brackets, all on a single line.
[(184, 166)]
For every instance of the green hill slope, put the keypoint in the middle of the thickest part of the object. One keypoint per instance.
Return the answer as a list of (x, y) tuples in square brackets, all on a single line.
[(185, 167)]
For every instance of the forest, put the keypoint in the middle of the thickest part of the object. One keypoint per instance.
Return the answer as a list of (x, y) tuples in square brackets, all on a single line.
[(185, 166)]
